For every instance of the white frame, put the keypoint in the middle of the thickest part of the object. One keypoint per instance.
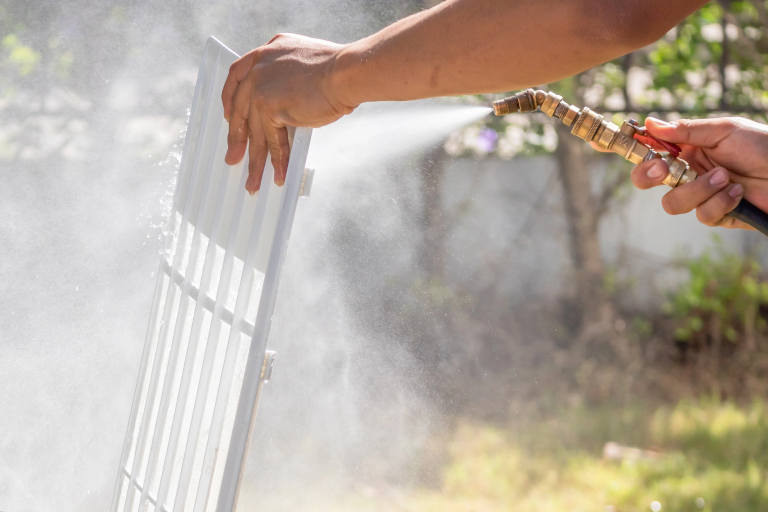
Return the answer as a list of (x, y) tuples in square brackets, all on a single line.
[(179, 423)]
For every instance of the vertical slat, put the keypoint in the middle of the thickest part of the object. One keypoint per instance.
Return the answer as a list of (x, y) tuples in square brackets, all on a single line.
[(152, 391), (210, 349), (166, 389), (195, 335), (241, 304), (206, 198), (251, 382), (234, 478), (127, 445), (139, 388)]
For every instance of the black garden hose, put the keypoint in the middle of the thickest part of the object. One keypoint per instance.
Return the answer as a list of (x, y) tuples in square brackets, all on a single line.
[(750, 214)]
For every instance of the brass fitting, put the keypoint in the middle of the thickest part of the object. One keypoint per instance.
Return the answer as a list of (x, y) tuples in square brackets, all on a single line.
[(592, 127)]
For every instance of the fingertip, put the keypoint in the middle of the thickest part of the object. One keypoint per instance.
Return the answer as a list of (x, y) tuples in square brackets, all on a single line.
[(671, 132), (666, 204), (280, 173), (712, 212), (252, 184), (654, 124), (234, 155), (718, 177), (658, 122), (657, 172), (637, 178), (649, 174)]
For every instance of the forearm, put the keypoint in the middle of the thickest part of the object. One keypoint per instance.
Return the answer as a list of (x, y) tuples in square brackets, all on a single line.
[(483, 46)]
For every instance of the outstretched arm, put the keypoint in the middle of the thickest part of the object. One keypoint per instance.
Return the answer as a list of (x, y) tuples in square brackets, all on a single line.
[(457, 47)]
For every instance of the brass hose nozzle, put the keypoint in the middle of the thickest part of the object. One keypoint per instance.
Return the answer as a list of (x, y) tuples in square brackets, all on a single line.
[(593, 127)]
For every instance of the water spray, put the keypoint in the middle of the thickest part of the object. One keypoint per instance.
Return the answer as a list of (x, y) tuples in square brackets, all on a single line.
[(593, 127)]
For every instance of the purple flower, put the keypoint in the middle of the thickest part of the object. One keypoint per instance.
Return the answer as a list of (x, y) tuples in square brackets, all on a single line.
[(486, 141)]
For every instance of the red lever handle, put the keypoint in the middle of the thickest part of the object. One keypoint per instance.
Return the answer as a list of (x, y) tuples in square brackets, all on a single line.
[(671, 148)]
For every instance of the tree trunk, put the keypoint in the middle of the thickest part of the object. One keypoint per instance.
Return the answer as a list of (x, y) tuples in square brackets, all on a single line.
[(716, 338), (590, 304), (750, 319)]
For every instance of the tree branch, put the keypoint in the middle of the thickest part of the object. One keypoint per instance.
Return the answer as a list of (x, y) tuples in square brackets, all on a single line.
[(762, 12), (746, 43), (608, 192)]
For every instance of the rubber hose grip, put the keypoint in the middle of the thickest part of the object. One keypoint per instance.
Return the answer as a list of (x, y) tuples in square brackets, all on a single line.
[(750, 214)]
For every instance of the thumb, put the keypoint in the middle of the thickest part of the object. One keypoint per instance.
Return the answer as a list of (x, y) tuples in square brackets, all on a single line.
[(706, 133)]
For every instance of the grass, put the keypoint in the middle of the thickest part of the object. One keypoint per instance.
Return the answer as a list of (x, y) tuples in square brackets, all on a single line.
[(714, 457)]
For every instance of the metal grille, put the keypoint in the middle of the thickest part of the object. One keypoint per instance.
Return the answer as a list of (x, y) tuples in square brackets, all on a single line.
[(204, 357)]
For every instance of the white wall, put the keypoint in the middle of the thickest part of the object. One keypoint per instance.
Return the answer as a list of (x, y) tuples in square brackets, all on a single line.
[(512, 233)]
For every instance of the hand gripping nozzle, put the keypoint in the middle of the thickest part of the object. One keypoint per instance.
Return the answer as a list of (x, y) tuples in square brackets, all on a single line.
[(593, 127)]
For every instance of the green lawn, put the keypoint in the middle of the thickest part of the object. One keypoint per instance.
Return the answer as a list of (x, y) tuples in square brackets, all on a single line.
[(713, 457)]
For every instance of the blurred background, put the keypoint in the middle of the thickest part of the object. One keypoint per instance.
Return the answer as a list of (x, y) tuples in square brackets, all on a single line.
[(498, 321)]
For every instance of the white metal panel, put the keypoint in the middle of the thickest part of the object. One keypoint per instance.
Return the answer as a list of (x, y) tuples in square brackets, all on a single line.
[(201, 370)]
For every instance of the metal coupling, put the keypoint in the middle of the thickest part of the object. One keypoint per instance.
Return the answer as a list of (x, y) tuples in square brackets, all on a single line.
[(268, 365), (591, 126)]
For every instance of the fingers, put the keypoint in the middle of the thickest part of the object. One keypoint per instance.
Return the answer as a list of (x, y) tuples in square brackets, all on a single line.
[(260, 136), (257, 152), (650, 174), (713, 211), (696, 132), (279, 150), (237, 73), (253, 129), (237, 138), (650, 142), (266, 137), (711, 195), (690, 196), (733, 223)]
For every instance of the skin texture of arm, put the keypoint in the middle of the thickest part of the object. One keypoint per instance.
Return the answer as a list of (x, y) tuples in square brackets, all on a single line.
[(730, 155), (456, 47)]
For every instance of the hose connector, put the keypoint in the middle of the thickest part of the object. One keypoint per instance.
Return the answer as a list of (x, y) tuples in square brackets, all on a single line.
[(591, 126), (506, 106), (524, 101)]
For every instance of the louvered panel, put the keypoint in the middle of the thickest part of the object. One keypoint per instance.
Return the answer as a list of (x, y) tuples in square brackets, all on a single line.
[(203, 364)]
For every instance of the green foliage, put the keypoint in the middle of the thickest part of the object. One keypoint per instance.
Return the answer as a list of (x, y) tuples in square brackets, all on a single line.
[(682, 65), (711, 432), (688, 68), (17, 56), (641, 327), (720, 297), (17, 60), (697, 69), (704, 455)]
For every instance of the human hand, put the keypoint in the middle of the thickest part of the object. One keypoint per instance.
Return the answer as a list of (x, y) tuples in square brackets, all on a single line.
[(288, 81), (729, 154)]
